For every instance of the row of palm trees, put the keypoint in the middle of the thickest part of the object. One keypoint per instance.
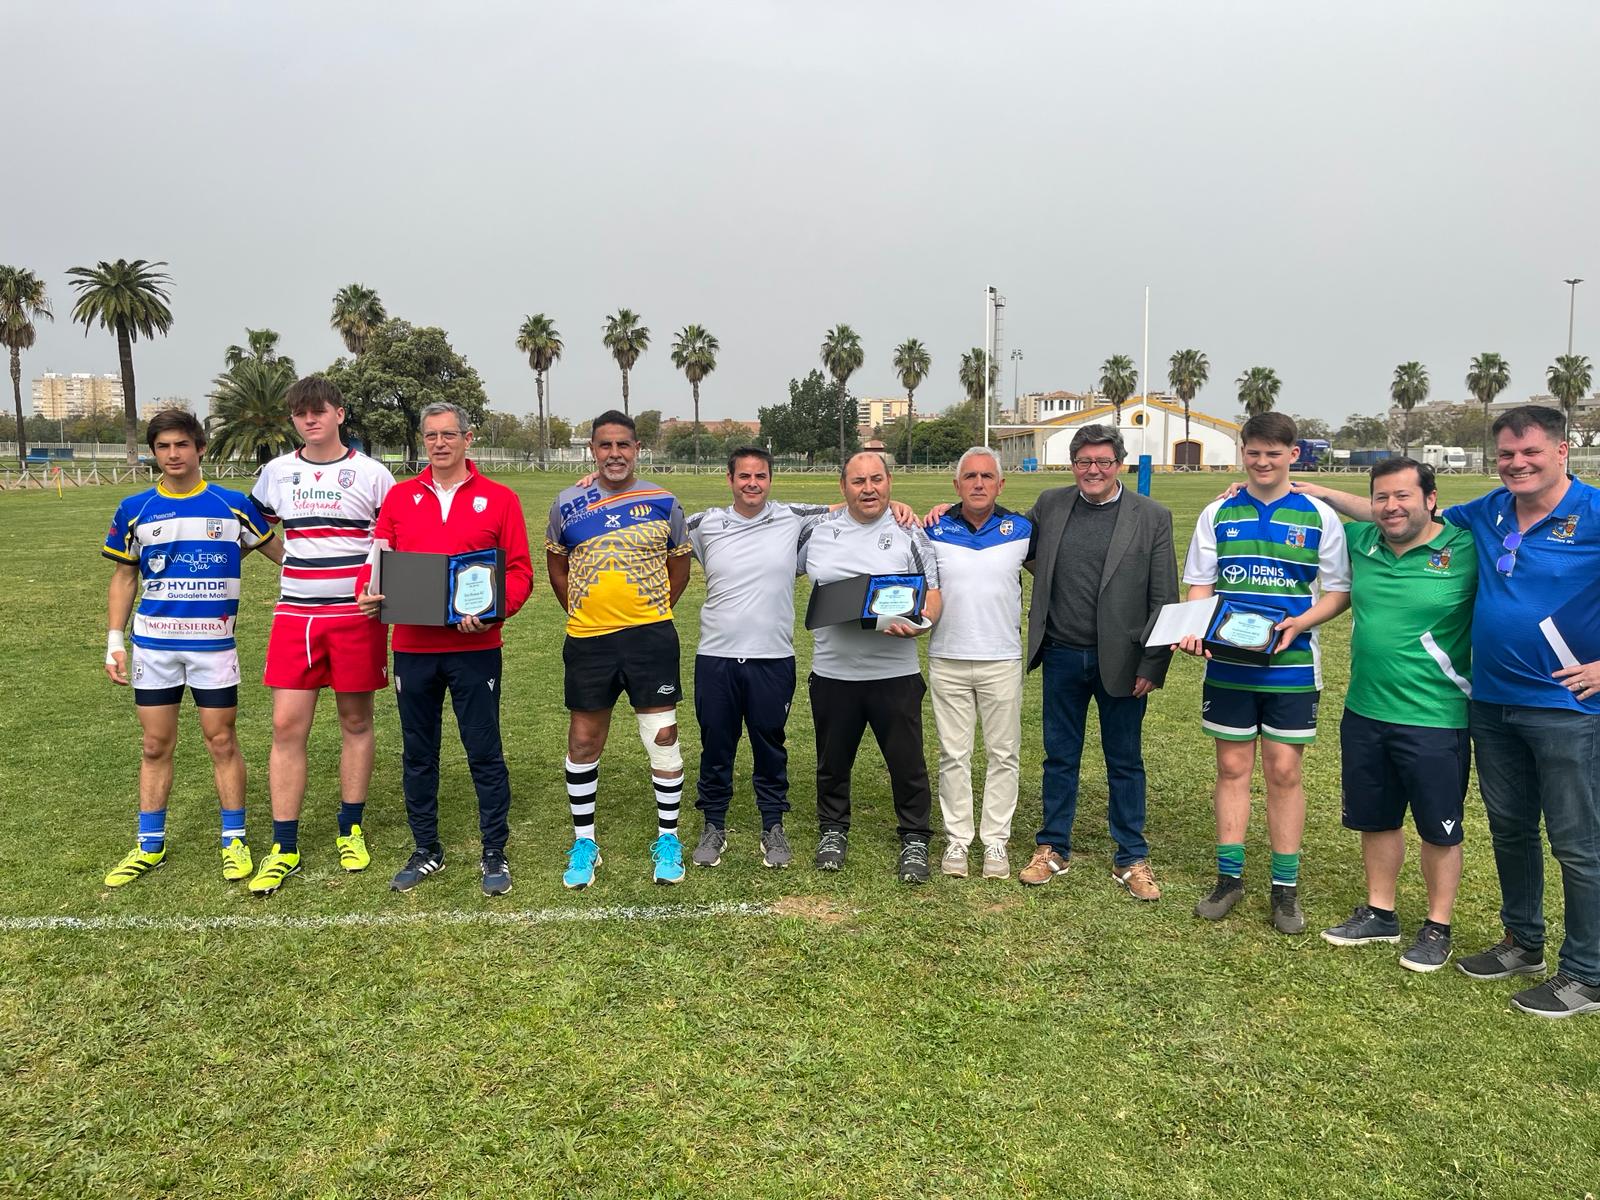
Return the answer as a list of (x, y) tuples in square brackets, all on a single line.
[(1187, 372), (1568, 378)]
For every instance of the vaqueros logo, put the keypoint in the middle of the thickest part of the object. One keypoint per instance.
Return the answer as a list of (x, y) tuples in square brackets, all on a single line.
[(198, 560), (1233, 573), (155, 564)]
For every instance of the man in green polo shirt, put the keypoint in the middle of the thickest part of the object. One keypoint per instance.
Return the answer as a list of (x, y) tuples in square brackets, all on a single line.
[(1404, 734)]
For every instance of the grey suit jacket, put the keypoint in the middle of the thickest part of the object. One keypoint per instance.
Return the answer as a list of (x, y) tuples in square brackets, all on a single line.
[(1141, 574)]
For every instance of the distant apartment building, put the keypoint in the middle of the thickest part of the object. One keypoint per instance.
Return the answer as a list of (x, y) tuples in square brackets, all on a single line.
[(871, 412), (161, 403), (1586, 404), (1037, 408), (64, 397)]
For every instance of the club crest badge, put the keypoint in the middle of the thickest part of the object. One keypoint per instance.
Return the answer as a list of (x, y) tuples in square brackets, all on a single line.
[(1006, 527), (1439, 560), (294, 479), (1564, 531), (155, 564), (213, 529), (884, 541), (346, 478), (479, 503), (1296, 535)]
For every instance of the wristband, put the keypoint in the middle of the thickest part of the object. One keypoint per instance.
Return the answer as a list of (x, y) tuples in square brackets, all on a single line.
[(115, 643)]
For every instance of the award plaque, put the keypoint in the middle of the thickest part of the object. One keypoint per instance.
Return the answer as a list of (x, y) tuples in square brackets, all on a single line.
[(1243, 633), (875, 601), (476, 586), (442, 589)]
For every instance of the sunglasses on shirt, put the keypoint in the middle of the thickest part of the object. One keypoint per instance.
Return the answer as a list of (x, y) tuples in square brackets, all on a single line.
[(1507, 562)]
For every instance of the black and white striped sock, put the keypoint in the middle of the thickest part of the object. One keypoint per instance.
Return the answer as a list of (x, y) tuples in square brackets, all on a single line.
[(583, 781), (669, 796)]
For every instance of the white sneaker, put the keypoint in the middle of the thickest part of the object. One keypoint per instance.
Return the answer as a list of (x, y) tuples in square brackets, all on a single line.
[(995, 863), (954, 862)]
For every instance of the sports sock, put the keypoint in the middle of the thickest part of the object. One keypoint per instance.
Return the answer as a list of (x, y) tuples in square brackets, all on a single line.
[(583, 781), (1285, 869), (287, 835), (1439, 925), (669, 795), (349, 814), (1230, 859), (232, 825), (153, 831), (1386, 913)]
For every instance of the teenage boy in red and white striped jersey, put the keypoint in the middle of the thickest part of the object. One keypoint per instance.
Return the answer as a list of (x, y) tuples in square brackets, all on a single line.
[(326, 496)]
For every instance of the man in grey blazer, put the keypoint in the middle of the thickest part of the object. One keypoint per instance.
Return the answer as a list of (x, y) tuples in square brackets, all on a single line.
[(1104, 565)]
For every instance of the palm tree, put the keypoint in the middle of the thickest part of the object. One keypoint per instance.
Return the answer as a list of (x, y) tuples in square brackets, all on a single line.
[(970, 373), (357, 312), (1488, 376), (1569, 378), (1407, 389), (1187, 372), (1258, 390), (694, 352), (22, 302), (539, 340), (260, 344), (626, 339), (912, 361), (128, 298), (247, 410), (1118, 378), (842, 357)]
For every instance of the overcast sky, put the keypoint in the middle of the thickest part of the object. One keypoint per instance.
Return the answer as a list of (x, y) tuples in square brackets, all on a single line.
[(1325, 189)]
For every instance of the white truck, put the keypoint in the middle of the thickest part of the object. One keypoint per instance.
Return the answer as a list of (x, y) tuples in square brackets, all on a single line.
[(1445, 458)]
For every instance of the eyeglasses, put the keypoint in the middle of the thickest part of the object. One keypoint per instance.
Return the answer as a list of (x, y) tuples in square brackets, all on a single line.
[(1098, 464), (1507, 562), (447, 435)]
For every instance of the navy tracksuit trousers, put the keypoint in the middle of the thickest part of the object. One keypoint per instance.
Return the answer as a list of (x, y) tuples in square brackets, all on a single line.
[(755, 694)]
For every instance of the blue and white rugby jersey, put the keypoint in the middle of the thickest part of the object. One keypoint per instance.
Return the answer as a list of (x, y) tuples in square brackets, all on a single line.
[(188, 549), (980, 580)]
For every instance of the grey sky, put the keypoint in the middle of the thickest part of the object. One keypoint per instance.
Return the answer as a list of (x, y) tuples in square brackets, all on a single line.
[(1324, 189)]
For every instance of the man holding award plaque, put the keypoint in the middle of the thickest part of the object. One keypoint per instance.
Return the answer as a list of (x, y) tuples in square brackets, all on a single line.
[(450, 642)]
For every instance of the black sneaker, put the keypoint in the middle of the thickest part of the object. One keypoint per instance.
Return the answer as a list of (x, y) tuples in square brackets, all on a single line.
[(830, 850), (1559, 996), (1363, 928), (913, 866), (1430, 951), (1504, 959), (1286, 914), (775, 851), (1228, 892), (713, 841), (419, 866), (496, 873)]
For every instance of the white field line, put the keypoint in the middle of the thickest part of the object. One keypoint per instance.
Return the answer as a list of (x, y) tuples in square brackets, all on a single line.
[(526, 916)]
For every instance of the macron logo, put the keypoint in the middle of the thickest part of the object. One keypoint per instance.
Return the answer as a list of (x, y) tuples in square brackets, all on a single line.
[(491, 685), (1449, 826)]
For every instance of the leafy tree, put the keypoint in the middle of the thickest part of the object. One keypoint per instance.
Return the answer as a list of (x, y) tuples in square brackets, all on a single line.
[(539, 340), (648, 426), (912, 362), (1569, 378), (357, 314), (1258, 390), (1359, 433), (247, 411), (685, 442), (1487, 377), (970, 416), (627, 340), (1118, 379), (1586, 428), (259, 344), (402, 369), (1312, 427), (694, 352), (129, 299), (1407, 389), (499, 430), (806, 424), (1187, 372), (1455, 425), (971, 374), (842, 357), (22, 302), (940, 441), (560, 433)]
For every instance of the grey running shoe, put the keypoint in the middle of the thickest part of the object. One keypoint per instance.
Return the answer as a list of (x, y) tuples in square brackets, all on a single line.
[(775, 850), (1364, 927), (713, 841), (831, 847), (954, 862), (1504, 959), (1228, 892), (1559, 996), (1430, 951), (1286, 914), (419, 866), (913, 865), (496, 873), (996, 865)]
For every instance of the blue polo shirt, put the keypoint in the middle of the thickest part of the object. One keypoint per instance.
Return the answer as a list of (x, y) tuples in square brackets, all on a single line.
[(1558, 559)]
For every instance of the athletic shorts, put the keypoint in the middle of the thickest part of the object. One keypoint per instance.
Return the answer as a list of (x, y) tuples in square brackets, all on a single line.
[(1388, 767), (348, 652), (159, 677), (643, 661), (1238, 715)]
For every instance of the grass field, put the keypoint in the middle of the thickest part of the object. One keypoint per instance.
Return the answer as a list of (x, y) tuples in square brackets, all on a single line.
[(772, 1034)]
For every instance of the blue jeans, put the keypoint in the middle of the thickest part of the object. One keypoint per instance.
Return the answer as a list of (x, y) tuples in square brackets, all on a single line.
[(1533, 762), (1071, 679)]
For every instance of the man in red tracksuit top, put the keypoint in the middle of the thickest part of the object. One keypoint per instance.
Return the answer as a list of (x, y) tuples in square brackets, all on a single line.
[(449, 509)]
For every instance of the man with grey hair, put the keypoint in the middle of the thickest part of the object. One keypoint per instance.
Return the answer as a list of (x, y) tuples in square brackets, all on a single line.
[(451, 509)]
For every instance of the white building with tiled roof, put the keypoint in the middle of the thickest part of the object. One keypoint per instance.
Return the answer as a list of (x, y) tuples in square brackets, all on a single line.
[(1153, 426)]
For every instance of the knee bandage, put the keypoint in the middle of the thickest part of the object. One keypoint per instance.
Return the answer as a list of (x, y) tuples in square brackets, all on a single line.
[(663, 759)]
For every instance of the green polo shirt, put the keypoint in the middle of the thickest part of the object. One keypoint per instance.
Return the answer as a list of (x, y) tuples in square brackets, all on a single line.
[(1411, 643)]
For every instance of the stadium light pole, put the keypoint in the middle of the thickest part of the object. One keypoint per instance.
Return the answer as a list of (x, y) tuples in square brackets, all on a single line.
[(990, 298), (1016, 357), (1572, 307)]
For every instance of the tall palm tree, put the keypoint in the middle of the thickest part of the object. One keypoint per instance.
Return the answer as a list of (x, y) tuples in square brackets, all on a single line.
[(1187, 372), (22, 302), (913, 362), (1569, 378), (539, 340), (970, 373), (842, 356), (259, 344), (694, 352), (1487, 377), (357, 312), (128, 298), (1258, 390), (1407, 389), (1118, 378), (247, 411), (627, 340)]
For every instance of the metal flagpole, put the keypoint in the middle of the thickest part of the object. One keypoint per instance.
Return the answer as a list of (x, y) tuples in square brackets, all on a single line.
[(1144, 372)]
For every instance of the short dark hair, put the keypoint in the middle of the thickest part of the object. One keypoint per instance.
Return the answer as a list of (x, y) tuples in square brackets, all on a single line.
[(1525, 416), (1393, 466), (1275, 427), (1098, 435), (313, 393), (739, 452), (612, 417), (175, 420)]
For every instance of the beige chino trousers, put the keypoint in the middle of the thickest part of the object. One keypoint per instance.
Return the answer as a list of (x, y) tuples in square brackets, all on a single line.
[(965, 692)]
